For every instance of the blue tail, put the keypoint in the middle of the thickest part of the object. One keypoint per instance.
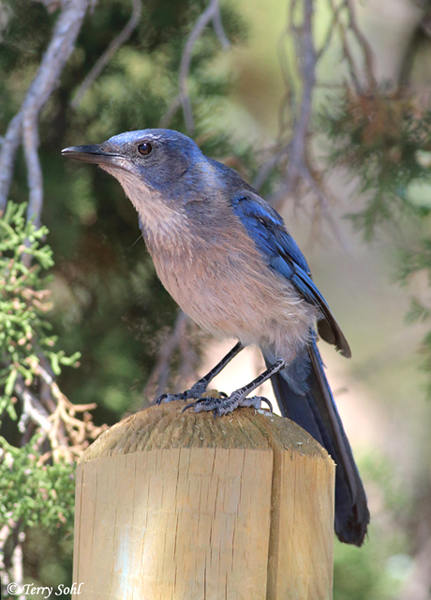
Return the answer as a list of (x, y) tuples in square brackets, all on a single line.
[(315, 411)]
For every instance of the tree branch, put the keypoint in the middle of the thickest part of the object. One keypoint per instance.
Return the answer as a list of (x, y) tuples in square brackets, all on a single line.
[(24, 124), (5, 532), (365, 46), (269, 165), (30, 133), (17, 562), (219, 29), (331, 29), (371, 83), (211, 13), (9, 147), (50, 5), (186, 59), (122, 37), (160, 373), (32, 408), (170, 113), (296, 150), (307, 67)]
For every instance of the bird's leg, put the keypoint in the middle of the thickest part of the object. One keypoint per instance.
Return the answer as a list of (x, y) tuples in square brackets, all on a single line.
[(222, 406), (200, 386)]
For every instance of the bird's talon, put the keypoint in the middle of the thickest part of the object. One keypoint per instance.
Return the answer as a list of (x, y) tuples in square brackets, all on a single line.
[(268, 402), (161, 398)]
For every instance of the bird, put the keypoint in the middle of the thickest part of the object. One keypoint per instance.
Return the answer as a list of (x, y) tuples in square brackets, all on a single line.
[(227, 258)]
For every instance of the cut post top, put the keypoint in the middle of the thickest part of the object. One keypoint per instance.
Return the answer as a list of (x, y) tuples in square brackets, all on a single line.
[(167, 427)]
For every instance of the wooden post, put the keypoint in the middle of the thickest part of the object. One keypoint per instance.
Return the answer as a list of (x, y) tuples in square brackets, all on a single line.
[(182, 506)]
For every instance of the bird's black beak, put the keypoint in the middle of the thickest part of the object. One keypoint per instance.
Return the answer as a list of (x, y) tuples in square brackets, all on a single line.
[(94, 153)]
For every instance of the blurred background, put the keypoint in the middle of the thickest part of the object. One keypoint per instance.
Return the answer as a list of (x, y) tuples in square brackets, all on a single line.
[(356, 198)]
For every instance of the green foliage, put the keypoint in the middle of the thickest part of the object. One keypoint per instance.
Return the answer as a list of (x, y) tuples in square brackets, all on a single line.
[(23, 304), (36, 479), (383, 141), (32, 493), (417, 262), (413, 261), (362, 575), (48, 559), (377, 570)]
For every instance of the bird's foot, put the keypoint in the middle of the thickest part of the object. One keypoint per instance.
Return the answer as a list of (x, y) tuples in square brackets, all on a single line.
[(226, 404), (171, 397), (195, 392)]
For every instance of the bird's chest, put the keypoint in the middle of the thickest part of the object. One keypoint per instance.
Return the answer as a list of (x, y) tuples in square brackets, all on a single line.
[(210, 284), (229, 291), (196, 279)]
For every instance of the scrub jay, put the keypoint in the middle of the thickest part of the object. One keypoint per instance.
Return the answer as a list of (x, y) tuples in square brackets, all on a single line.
[(226, 257)]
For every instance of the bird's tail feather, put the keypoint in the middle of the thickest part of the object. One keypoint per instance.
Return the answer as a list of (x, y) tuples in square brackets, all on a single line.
[(315, 411)]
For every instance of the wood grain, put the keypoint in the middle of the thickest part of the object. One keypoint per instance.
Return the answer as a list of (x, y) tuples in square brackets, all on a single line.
[(173, 506)]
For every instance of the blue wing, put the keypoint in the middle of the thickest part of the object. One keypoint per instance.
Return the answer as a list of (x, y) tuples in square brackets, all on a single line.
[(266, 227)]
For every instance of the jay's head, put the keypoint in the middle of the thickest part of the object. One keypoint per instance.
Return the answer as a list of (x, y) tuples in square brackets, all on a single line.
[(158, 159), (165, 175)]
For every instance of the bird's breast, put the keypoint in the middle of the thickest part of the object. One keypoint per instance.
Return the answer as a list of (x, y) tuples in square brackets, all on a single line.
[(230, 291)]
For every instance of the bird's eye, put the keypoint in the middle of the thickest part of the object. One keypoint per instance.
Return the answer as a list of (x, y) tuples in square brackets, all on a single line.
[(145, 149)]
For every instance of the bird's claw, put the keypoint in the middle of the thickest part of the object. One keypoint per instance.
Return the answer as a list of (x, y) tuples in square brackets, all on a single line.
[(171, 397), (196, 391), (226, 404)]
